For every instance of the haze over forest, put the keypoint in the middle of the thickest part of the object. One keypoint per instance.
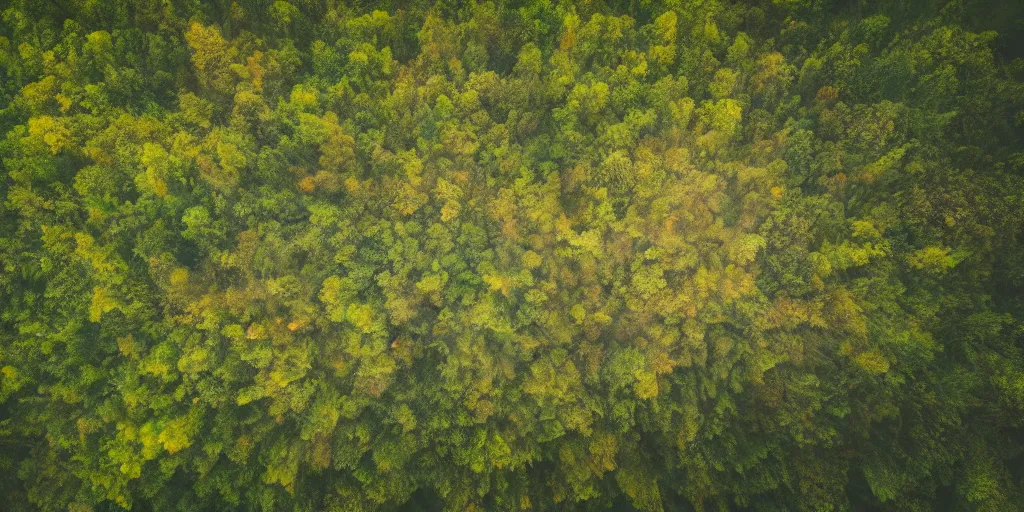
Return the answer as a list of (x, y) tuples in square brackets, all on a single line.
[(655, 255)]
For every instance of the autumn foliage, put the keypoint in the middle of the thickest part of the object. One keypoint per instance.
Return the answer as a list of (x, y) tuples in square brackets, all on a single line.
[(661, 255)]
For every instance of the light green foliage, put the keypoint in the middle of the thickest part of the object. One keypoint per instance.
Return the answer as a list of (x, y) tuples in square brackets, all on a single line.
[(546, 255)]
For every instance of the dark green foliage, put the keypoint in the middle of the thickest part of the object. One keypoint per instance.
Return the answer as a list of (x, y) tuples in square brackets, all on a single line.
[(689, 255)]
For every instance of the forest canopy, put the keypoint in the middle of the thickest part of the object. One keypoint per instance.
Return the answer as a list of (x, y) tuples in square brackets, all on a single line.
[(660, 255)]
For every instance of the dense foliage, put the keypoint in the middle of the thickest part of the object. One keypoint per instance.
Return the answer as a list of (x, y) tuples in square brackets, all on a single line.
[(668, 255)]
